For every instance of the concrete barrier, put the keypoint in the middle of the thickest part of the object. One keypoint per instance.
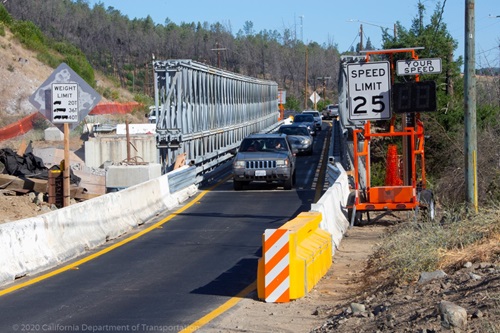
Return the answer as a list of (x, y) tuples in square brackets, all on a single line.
[(332, 205), (295, 260), (36, 244), (113, 148), (298, 254), (123, 176)]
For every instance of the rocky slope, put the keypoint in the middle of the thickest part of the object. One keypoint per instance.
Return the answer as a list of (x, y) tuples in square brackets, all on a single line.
[(466, 300)]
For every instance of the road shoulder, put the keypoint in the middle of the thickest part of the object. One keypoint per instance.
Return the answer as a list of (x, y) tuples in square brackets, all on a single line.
[(340, 284)]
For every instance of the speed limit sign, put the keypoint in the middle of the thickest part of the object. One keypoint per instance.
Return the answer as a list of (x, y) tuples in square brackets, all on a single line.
[(369, 90)]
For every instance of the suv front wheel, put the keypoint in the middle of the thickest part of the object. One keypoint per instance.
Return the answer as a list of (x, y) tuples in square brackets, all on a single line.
[(238, 186), (288, 184)]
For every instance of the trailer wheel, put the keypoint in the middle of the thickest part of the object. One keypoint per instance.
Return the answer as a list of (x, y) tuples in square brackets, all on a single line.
[(350, 211), (357, 217), (426, 197)]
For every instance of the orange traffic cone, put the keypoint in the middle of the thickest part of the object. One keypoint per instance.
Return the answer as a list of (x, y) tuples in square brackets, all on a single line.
[(392, 172)]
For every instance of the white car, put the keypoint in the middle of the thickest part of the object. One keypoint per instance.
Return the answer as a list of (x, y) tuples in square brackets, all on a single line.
[(318, 118), (331, 111)]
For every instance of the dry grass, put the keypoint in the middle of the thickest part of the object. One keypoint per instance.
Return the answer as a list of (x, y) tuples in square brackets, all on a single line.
[(457, 237), (486, 251), (478, 240)]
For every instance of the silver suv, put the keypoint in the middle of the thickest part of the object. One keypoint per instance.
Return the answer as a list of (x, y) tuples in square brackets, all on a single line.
[(266, 158), (331, 111)]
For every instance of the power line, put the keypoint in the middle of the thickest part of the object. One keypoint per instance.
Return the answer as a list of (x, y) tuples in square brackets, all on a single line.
[(493, 48)]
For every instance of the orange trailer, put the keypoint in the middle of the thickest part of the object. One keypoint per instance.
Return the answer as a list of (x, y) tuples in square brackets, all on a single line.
[(410, 192)]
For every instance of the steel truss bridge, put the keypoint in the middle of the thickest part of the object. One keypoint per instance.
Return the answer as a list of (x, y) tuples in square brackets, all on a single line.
[(205, 112)]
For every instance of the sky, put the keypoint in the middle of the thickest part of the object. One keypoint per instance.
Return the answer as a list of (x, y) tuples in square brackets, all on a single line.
[(327, 21)]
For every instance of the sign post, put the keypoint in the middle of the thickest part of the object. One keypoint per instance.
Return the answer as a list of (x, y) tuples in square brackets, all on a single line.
[(65, 99), (315, 98), (369, 90), (65, 110)]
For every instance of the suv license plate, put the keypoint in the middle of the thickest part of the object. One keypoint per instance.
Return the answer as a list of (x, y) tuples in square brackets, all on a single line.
[(259, 173)]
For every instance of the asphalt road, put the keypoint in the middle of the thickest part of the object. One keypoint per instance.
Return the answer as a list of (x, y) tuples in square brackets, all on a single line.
[(173, 275)]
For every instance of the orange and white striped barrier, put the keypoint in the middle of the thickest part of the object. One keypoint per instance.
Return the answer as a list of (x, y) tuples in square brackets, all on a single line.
[(294, 258), (276, 265)]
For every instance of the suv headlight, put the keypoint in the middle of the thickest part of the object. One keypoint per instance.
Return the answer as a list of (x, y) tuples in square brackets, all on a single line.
[(239, 164), (282, 163)]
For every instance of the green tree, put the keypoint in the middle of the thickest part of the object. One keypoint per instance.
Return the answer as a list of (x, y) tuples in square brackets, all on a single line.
[(445, 127), (437, 42), (292, 103), (369, 45)]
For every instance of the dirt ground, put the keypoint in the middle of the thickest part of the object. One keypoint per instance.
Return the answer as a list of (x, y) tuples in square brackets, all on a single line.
[(21, 74), (355, 282), (16, 207)]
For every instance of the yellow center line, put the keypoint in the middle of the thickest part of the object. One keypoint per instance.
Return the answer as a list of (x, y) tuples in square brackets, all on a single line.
[(109, 248), (221, 309)]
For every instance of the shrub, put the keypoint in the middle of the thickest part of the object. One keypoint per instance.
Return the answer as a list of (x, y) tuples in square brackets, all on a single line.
[(104, 92), (82, 67), (292, 103), (40, 122), (29, 35), (5, 16), (49, 59), (144, 100)]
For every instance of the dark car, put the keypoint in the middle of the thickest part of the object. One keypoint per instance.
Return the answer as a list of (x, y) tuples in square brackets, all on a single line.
[(299, 137), (266, 158), (318, 122), (306, 120)]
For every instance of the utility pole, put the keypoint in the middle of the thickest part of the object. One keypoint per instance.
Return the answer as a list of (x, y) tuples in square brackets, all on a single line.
[(325, 79), (470, 144), (218, 49), (361, 37), (305, 91)]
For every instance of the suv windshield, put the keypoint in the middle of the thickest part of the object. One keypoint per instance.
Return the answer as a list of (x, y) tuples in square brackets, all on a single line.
[(294, 130), (300, 118), (313, 113), (263, 144)]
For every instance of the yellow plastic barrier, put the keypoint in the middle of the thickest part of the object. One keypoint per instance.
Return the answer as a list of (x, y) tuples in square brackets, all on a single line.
[(295, 257)]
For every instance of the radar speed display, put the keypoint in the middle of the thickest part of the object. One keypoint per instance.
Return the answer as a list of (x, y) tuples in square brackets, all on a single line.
[(369, 90)]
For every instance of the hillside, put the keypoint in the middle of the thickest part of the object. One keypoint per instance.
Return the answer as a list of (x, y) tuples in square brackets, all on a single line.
[(21, 73)]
